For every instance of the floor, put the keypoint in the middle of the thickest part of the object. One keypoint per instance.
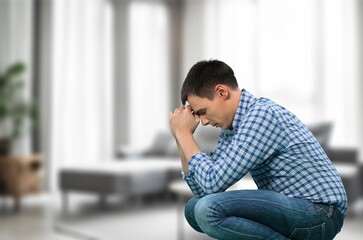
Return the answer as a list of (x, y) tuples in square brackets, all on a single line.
[(41, 218)]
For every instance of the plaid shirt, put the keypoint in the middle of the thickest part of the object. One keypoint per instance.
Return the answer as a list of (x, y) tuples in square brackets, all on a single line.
[(275, 147)]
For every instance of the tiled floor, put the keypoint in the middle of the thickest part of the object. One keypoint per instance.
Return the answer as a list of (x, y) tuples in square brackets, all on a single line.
[(42, 219)]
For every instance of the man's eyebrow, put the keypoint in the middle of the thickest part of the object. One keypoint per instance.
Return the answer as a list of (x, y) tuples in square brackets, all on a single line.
[(199, 112)]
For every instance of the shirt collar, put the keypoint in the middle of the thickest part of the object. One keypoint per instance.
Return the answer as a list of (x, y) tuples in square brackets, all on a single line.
[(246, 101)]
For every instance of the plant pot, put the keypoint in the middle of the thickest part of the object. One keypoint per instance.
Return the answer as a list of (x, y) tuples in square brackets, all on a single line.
[(5, 146)]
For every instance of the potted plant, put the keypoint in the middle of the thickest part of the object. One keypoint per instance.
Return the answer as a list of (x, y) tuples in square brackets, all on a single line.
[(14, 110)]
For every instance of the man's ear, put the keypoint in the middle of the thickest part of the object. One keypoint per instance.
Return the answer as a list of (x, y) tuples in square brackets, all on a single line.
[(222, 91)]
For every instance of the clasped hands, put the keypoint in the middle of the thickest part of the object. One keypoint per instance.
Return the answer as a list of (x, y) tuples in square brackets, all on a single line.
[(183, 121)]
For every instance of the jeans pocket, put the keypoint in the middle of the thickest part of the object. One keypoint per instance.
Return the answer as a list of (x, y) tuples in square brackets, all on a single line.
[(313, 233)]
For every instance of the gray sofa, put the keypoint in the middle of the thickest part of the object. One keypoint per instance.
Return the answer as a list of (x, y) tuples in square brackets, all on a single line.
[(350, 170), (134, 177)]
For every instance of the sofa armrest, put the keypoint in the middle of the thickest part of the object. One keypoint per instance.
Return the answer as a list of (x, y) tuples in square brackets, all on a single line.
[(342, 155)]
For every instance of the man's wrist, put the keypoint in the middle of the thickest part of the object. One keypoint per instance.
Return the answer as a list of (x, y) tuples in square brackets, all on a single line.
[(180, 136), (187, 144)]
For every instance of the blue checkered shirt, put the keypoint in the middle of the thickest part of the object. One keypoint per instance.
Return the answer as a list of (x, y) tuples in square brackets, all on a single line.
[(276, 148)]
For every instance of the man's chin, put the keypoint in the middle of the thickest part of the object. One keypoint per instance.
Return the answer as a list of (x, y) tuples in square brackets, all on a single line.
[(227, 128)]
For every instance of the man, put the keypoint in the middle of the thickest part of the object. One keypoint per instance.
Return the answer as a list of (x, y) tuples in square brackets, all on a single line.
[(300, 194)]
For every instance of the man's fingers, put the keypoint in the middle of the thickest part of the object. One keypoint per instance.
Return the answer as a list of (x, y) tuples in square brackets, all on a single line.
[(179, 109)]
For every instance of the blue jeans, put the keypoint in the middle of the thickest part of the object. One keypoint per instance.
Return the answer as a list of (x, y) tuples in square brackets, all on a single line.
[(260, 214)]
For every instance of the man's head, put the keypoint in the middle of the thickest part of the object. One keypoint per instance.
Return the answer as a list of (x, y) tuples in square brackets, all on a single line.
[(212, 92), (204, 76)]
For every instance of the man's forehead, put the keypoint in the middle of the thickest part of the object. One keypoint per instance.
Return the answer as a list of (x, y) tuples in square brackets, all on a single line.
[(194, 108), (196, 103), (191, 103), (197, 109), (193, 100)]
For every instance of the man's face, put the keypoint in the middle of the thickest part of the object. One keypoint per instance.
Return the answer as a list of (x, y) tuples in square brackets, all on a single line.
[(211, 112)]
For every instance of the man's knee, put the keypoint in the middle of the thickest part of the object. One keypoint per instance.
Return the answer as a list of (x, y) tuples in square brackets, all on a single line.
[(189, 213), (207, 212), (189, 208)]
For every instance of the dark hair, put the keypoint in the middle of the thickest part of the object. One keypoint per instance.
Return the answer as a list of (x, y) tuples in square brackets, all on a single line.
[(204, 76)]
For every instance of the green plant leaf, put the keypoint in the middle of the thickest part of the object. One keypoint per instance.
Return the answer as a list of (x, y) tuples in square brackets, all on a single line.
[(12, 104), (16, 69)]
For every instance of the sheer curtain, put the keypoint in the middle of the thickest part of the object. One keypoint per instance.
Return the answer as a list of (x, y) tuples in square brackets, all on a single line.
[(308, 62), (288, 38), (300, 53), (16, 24), (81, 90), (149, 84)]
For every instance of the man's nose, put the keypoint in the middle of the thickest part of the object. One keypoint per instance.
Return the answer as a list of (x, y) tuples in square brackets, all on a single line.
[(204, 121)]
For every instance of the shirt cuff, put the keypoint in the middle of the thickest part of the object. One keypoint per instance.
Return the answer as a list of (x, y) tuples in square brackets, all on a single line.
[(193, 162)]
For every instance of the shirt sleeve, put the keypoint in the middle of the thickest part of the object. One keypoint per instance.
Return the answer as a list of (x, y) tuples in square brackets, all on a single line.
[(258, 137), (193, 185)]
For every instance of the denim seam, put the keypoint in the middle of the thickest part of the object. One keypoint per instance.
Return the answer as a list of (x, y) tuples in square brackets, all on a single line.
[(225, 212), (334, 222), (253, 199), (241, 234), (308, 229), (226, 229)]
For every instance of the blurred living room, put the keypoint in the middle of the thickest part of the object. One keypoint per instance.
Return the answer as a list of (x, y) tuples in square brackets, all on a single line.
[(86, 87)]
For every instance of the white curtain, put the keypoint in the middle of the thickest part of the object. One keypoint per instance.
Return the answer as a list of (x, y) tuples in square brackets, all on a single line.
[(16, 23), (149, 72), (340, 71), (300, 53), (308, 62), (81, 91)]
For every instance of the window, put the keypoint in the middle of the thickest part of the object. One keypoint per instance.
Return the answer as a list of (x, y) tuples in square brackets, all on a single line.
[(148, 73), (299, 53)]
